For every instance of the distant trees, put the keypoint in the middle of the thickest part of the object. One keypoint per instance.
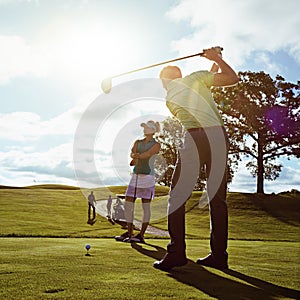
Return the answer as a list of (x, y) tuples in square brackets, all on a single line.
[(263, 120)]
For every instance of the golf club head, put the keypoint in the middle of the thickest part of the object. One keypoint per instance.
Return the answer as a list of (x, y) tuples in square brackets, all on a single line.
[(106, 85)]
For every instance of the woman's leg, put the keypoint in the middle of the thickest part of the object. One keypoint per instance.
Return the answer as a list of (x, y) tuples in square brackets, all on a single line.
[(129, 213), (146, 215)]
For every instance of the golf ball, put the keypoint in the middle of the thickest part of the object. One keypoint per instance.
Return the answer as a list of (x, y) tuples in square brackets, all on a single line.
[(87, 246)]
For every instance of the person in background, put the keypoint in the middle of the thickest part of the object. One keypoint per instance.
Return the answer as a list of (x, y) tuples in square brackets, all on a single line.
[(91, 207)]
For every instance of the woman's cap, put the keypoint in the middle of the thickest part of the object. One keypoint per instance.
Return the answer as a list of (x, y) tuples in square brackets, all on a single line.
[(151, 127)]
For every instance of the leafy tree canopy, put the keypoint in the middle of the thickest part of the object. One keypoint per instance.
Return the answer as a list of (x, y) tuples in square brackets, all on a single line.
[(263, 120)]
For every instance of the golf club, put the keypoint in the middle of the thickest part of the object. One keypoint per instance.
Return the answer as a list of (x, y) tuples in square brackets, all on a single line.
[(106, 84)]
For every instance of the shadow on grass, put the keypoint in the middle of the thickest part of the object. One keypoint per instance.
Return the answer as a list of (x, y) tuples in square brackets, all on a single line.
[(218, 286), (285, 209)]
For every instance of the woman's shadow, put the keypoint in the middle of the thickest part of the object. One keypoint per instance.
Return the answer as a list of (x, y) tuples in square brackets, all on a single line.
[(218, 286)]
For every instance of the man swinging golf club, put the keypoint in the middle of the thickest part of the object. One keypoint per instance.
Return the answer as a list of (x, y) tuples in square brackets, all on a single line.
[(205, 145), (142, 181)]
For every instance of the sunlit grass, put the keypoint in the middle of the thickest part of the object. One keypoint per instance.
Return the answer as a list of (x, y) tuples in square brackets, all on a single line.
[(44, 231), (57, 268)]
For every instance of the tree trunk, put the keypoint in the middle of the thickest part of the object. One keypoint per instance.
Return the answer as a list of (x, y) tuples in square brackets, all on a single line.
[(260, 168)]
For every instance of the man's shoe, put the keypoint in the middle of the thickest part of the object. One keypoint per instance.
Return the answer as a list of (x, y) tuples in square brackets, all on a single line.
[(137, 239), (211, 261), (170, 261), (121, 238)]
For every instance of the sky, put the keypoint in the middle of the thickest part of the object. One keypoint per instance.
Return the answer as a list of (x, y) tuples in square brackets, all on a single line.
[(55, 54)]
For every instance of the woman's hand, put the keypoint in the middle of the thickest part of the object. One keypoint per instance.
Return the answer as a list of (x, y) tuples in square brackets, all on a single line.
[(135, 155)]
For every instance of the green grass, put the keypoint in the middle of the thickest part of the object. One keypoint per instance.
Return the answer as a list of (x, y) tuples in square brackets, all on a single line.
[(43, 235), (47, 268)]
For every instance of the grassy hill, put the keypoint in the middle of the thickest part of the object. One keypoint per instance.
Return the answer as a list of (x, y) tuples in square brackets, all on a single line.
[(61, 211)]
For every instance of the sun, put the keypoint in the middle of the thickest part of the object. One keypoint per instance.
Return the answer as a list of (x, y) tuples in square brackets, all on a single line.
[(91, 50)]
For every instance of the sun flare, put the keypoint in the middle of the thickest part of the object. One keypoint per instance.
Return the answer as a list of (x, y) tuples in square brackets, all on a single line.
[(91, 52)]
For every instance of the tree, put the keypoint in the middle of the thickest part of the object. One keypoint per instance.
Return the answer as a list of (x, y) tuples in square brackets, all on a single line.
[(263, 120), (171, 139)]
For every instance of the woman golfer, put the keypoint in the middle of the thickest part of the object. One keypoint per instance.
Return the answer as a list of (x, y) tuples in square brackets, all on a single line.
[(142, 181)]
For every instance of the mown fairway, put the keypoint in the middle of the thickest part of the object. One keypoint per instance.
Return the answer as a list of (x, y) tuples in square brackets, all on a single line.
[(44, 233)]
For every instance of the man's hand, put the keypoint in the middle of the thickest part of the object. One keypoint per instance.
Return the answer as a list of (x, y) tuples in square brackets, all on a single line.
[(213, 53), (227, 76)]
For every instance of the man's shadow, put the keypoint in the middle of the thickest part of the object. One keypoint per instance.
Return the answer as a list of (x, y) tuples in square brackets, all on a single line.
[(218, 286)]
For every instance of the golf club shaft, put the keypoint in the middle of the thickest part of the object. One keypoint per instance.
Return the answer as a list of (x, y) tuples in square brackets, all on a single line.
[(158, 64), (136, 180), (106, 84)]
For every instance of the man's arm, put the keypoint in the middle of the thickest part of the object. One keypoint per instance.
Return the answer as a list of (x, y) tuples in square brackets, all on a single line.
[(227, 76), (214, 68)]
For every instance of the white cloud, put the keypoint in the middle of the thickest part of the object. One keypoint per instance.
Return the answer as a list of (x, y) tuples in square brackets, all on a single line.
[(21, 167), (243, 181), (28, 126), (20, 126), (19, 158), (23, 126), (241, 27), (289, 179), (264, 60), (18, 58), (5, 2)]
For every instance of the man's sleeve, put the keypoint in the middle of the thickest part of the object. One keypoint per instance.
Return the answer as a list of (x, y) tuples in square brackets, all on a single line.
[(208, 78)]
